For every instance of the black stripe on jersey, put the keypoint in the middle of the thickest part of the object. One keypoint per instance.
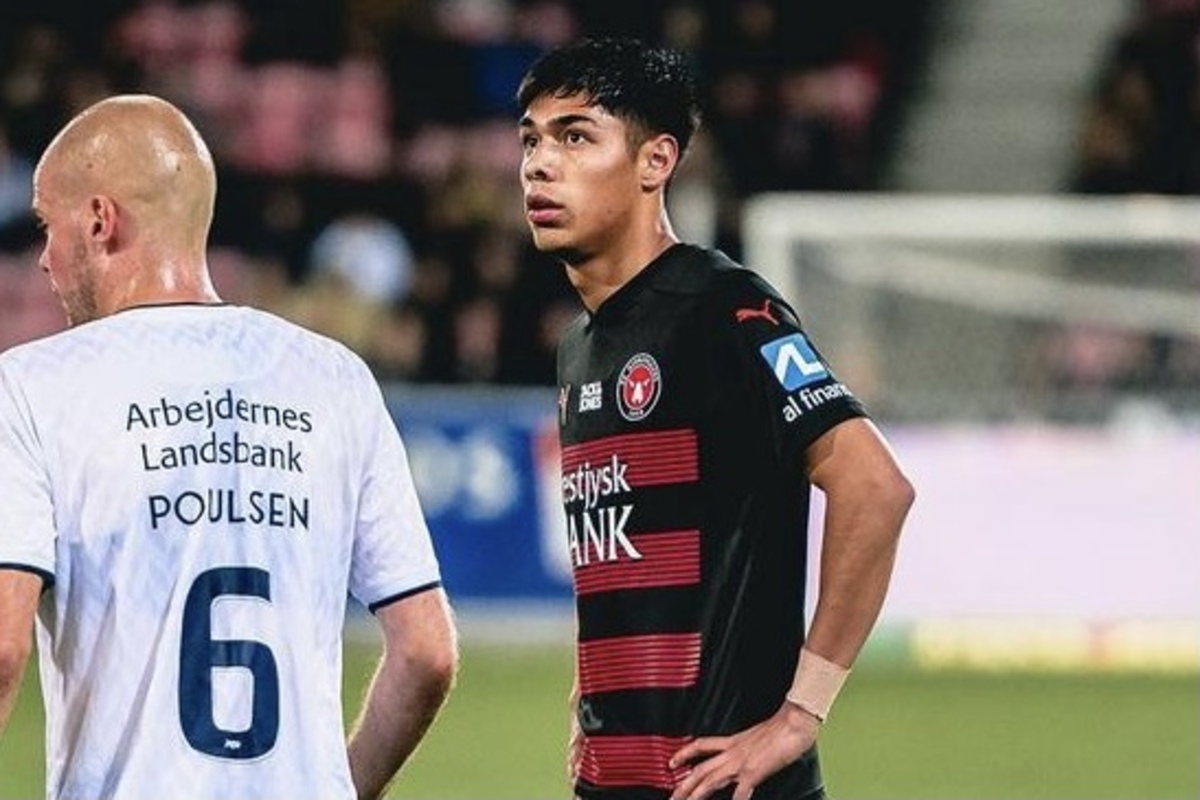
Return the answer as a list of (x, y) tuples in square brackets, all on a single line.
[(670, 609), (47, 577), (387, 601)]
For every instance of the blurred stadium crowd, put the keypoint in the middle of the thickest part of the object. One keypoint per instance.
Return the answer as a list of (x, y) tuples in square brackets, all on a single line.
[(1139, 134), (368, 155), (1141, 128)]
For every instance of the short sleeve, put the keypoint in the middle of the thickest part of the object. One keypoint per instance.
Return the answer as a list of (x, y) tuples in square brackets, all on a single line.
[(804, 396), (27, 532), (393, 553)]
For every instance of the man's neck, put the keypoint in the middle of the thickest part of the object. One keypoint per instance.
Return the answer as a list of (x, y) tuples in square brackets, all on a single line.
[(170, 284), (596, 279)]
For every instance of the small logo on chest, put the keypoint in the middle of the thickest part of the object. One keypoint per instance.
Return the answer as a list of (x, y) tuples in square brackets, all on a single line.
[(638, 387), (591, 396)]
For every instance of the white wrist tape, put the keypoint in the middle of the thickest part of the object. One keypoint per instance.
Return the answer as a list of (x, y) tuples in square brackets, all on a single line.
[(817, 683)]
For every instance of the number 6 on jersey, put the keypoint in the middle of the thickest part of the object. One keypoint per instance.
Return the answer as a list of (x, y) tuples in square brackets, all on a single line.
[(200, 654)]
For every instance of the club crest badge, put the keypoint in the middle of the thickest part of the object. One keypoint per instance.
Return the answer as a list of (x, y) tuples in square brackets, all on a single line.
[(638, 387)]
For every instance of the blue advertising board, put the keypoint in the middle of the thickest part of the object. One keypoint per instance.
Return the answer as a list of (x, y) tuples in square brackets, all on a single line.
[(485, 462)]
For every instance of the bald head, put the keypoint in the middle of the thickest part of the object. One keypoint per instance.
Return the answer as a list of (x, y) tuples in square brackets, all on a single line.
[(145, 154), (126, 193)]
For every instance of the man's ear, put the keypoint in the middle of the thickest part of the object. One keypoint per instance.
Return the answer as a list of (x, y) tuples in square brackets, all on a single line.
[(102, 224), (660, 156)]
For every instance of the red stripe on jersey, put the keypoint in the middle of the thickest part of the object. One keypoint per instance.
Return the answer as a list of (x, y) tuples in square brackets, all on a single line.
[(631, 761), (668, 559), (658, 457), (651, 661)]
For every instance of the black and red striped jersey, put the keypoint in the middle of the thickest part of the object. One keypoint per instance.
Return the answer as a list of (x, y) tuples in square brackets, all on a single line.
[(686, 402)]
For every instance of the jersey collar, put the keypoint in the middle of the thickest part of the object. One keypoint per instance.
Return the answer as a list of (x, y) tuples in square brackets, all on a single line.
[(673, 270)]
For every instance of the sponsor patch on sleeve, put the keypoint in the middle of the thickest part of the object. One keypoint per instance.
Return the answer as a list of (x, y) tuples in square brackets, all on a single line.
[(793, 361)]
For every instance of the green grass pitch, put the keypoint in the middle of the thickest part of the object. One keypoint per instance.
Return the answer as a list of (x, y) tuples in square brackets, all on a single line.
[(896, 732)]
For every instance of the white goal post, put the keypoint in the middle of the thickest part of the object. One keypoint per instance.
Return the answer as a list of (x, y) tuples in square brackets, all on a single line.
[(1037, 360), (979, 294)]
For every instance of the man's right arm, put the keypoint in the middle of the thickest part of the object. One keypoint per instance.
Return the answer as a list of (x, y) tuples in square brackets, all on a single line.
[(19, 592)]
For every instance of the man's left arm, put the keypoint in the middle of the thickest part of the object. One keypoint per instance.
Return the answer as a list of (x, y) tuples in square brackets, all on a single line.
[(19, 592), (413, 678), (867, 498)]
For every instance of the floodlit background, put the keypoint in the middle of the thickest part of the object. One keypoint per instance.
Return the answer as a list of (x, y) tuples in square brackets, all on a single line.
[(985, 212)]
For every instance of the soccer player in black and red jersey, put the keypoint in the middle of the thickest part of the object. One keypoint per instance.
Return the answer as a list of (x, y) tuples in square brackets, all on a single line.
[(695, 416)]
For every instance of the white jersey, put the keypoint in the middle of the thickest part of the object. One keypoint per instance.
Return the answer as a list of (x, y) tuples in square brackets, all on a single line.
[(202, 486)]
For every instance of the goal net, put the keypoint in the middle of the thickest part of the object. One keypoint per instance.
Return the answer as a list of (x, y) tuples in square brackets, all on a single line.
[(994, 308)]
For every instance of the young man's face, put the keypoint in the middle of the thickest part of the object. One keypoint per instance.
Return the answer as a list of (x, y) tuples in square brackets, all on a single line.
[(579, 177)]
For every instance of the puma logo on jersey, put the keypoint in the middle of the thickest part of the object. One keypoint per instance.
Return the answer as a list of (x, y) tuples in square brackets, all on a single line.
[(744, 314)]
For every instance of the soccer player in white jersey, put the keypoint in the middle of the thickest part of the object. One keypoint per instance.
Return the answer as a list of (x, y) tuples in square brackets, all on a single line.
[(191, 491)]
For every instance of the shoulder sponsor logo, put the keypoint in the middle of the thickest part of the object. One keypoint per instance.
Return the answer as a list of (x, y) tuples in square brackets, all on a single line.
[(744, 314), (638, 387), (793, 361), (590, 397), (809, 399)]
